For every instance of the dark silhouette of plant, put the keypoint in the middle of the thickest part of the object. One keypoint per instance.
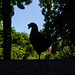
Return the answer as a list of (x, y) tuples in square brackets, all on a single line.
[(59, 24), (6, 12)]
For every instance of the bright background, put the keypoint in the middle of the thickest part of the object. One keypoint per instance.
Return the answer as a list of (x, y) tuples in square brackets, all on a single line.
[(22, 17)]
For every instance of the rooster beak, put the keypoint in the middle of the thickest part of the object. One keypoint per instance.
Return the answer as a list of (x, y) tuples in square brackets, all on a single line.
[(28, 27)]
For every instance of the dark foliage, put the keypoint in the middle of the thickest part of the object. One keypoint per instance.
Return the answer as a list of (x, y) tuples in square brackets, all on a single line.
[(39, 42), (59, 24)]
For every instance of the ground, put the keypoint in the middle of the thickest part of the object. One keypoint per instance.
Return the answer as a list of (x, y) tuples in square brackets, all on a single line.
[(37, 67)]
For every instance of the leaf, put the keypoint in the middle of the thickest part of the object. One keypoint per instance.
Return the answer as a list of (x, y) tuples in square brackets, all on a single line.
[(21, 6)]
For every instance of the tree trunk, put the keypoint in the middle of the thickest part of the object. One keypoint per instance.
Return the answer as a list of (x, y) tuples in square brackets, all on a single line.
[(6, 10)]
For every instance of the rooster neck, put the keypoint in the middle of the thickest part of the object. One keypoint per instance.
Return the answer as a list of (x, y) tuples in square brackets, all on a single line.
[(34, 30)]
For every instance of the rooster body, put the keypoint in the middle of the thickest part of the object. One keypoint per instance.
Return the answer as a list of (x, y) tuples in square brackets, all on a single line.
[(39, 42)]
